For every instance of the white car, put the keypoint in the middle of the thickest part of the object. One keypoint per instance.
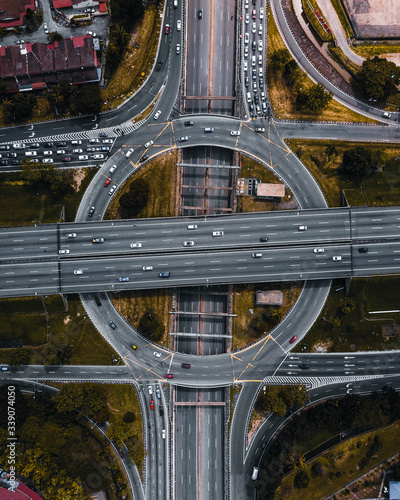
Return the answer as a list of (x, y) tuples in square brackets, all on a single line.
[(147, 268), (157, 354), (157, 115), (83, 157), (260, 29), (65, 250), (260, 45), (61, 151), (148, 144), (92, 33), (192, 227), (77, 142), (135, 245), (245, 66), (253, 27), (46, 29), (19, 145), (112, 190), (78, 271), (113, 169), (163, 433), (94, 141), (71, 235), (47, 160), (178, 25), (178, 48), (77, 150), (337, 258), (247, 19), (129, 153), (261, 13), (246, 38), (188, 243), (302, 228), (319, 250), (235, 132), (107, 141), (47, 153), (217, 233), (98, 157), (150, 390)]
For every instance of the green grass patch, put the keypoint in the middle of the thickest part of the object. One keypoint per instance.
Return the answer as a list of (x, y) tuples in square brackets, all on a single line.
[(335, 331), (347, 64), (283, 98), (380, 188), (344, 20), (316, 25), (30, 327), (370, 50), (341, 464)]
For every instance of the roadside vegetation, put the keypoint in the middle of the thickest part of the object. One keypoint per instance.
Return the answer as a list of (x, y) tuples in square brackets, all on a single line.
[(63, 452), (318, 428)]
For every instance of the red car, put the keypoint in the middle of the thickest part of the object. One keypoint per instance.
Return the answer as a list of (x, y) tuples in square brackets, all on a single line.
[(151, 404), (166, 31), (293, 339), (185, 365), (107, 182), (66, 158), (168, 375)]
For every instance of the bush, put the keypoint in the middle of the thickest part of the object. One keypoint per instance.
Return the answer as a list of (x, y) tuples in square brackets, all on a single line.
[(136, 199), (318, 470), (151, 325), (301, 480)]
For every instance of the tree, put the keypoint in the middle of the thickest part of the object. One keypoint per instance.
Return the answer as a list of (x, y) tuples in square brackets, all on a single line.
[(331, 150), (88, 99), (379, 78), (302, 479), (357, 161), (315, 98), (69, 398), (19, 357), (348, 306), (280, 58), (119, 431), (136, 199), (151, 325), (54, 36)]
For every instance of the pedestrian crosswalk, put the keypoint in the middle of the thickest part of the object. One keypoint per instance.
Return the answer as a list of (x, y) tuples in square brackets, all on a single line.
[(314, 382)]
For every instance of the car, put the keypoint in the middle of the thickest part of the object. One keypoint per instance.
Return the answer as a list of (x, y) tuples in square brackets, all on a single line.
[(189, 123), (246, 4), (159, 64), (148, 144), (208, 130), (150, 390), (5, 368), (76, 142), (163, 275), (123, 279), (157, 115), (91, 33), (263, 96), (113, 325), (78, 271), (168, 375), (319, 250), (253, 45), (45, 28), (91, 150), (161, 410), (3, 162), (71, 235), (200, 14), (61, 151), (77, 150), (261, 75), (66, 158), (104, 148), (336, 258), (255, 87), (178, 25), (151, 404), (112, 190), (94, 141), (304, 366), (166, 29), (47, 153), (32, 160), (260, 29), (293, 339), (260, 60), (91, 211), (261, 13), (184, 138), (246, 81), (246, 50), (129, 152), (302, 228), (135, 245), (192, 227), (217, 234), (256, 255), (63, 251), (61, 144), (98, 157), (4, 147), (34, 145), (263, 239), (247, 18), (235, 132), (178, 48), (245, 66), (260, 130), (15, 162), (19, 145), (11, 155), (147, 268), (121, 454), (261, 83), (246, 38), (144, 158), (113, 169), (47, 160), (108, 141), (254, 73), (254, 14), (256, 99), (253, 28), (134, 347), (157, 354), (30, 153), (108, 180), (188, 243), (185, 365), (20, 41), (103, 134), (163, 433), (260, 45), (98, 240), (83, 157), (158, 393), (253, 61), (386, 115), (363, 250)]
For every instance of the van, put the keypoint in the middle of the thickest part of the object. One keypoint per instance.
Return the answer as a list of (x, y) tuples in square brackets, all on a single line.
[(209, 129), (255, 473)]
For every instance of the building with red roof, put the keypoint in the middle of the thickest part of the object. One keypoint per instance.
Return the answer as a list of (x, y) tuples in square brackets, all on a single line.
[(80, 4), (12, 12), (21, 493), (32, 66)]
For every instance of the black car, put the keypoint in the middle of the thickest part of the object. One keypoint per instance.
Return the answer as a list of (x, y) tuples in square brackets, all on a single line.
[(189, 123), (97, 300), (144, 158), (34, 145), (61, 143), (163, 275), (161, 410), (363, 250), (48, 144), (103, 134), (3, 162), (253, 45), (263, 239), (304, 366), (15, 162), (91, 211), (11, 155), (159, 64), (113, 325), (246, 81), (200, 14)]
